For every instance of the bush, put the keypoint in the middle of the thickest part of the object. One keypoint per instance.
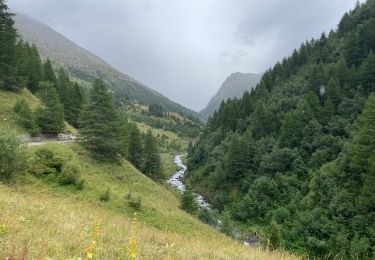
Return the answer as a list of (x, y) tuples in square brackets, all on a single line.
[(274, 235), (48, 159), (134, 203), (11, 156), (208, 216), (105, 196), (81, 184), (70, 174), (188, 202)]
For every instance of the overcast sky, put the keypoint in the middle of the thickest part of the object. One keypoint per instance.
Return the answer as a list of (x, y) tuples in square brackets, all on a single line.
[(186, 49)]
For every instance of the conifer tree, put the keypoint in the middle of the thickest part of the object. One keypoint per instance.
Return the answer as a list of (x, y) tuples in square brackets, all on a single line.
[(34, 69), (135, 147), (188, 202), (48, 72), (99, 123), (71, 95), (8, 40), (151, 157), (50, 116), (367, 73)]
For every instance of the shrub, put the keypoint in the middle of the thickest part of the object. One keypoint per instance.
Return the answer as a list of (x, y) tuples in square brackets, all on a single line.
[(134, 203), (274, 235), (226, 222), (48, 159), (11, 156), (105, 196), (81, 184), (208, 216), (188, 202), (70, 174)]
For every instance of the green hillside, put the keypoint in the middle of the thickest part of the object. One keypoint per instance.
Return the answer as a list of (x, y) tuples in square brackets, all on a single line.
[(51, 220), (294, 159)]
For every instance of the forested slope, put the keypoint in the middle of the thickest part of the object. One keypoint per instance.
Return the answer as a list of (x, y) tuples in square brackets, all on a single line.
[(295, 158)]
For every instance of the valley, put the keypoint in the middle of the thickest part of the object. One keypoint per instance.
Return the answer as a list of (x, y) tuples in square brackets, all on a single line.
[(95, 164)]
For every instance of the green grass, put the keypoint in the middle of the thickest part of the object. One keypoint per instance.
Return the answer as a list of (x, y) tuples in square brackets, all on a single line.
[(39, 218)]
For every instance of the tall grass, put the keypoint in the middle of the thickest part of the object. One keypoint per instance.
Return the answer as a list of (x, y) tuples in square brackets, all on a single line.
[(39, 219)]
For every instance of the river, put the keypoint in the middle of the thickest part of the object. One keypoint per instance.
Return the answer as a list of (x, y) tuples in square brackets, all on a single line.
[(177, 181)]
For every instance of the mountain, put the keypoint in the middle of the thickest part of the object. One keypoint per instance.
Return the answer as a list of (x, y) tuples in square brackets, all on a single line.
[(234, 86), (86, 66), (295, 158)]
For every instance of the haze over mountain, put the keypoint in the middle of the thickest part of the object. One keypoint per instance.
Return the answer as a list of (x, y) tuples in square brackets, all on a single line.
[(184, 49), (233, 87), (86, 66)]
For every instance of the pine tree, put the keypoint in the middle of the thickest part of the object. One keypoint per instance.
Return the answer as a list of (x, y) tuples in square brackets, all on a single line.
[(99, 123), (135, 147), (187, 201), (34, 69), (333, 91), (8, 40), (364, 142), (48, 72), (367, 73), (71, 95), (50, 116), (152, 164)]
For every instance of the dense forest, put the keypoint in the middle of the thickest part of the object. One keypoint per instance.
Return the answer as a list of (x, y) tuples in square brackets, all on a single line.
[(295, 158)]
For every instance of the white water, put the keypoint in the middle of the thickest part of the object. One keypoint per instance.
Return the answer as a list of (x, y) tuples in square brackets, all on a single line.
[(177, 181)]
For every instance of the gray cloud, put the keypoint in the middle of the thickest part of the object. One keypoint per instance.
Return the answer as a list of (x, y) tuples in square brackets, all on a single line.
[(185, 49)]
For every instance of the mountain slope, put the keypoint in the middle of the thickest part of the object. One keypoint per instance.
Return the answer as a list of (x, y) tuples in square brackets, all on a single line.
[(86, 66), (31, 229), (295, 158), (234, 86)]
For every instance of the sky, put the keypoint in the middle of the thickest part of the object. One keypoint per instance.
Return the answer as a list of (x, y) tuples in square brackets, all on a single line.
[(186, 49)]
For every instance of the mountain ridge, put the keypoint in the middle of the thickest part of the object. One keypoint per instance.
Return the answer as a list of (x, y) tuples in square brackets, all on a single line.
[(233, 87), (86, 66)]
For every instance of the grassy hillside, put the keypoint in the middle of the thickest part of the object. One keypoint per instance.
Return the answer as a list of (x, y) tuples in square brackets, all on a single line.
[(39, 218)]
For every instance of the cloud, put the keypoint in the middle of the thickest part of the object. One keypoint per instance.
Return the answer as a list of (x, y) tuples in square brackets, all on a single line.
[(185, 49)]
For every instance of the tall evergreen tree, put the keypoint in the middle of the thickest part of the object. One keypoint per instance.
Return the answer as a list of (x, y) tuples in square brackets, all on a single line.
[(367, 73), (34, 69), (71, 95), (99, 123), (48, 72), (50, 116), (135, 147), (152, 164), (8, 40)]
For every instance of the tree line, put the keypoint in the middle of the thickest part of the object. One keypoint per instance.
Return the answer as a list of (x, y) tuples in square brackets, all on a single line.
[(294, 159)]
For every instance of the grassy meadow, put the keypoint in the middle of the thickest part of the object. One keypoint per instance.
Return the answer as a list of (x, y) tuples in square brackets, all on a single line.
[(40, 218)]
